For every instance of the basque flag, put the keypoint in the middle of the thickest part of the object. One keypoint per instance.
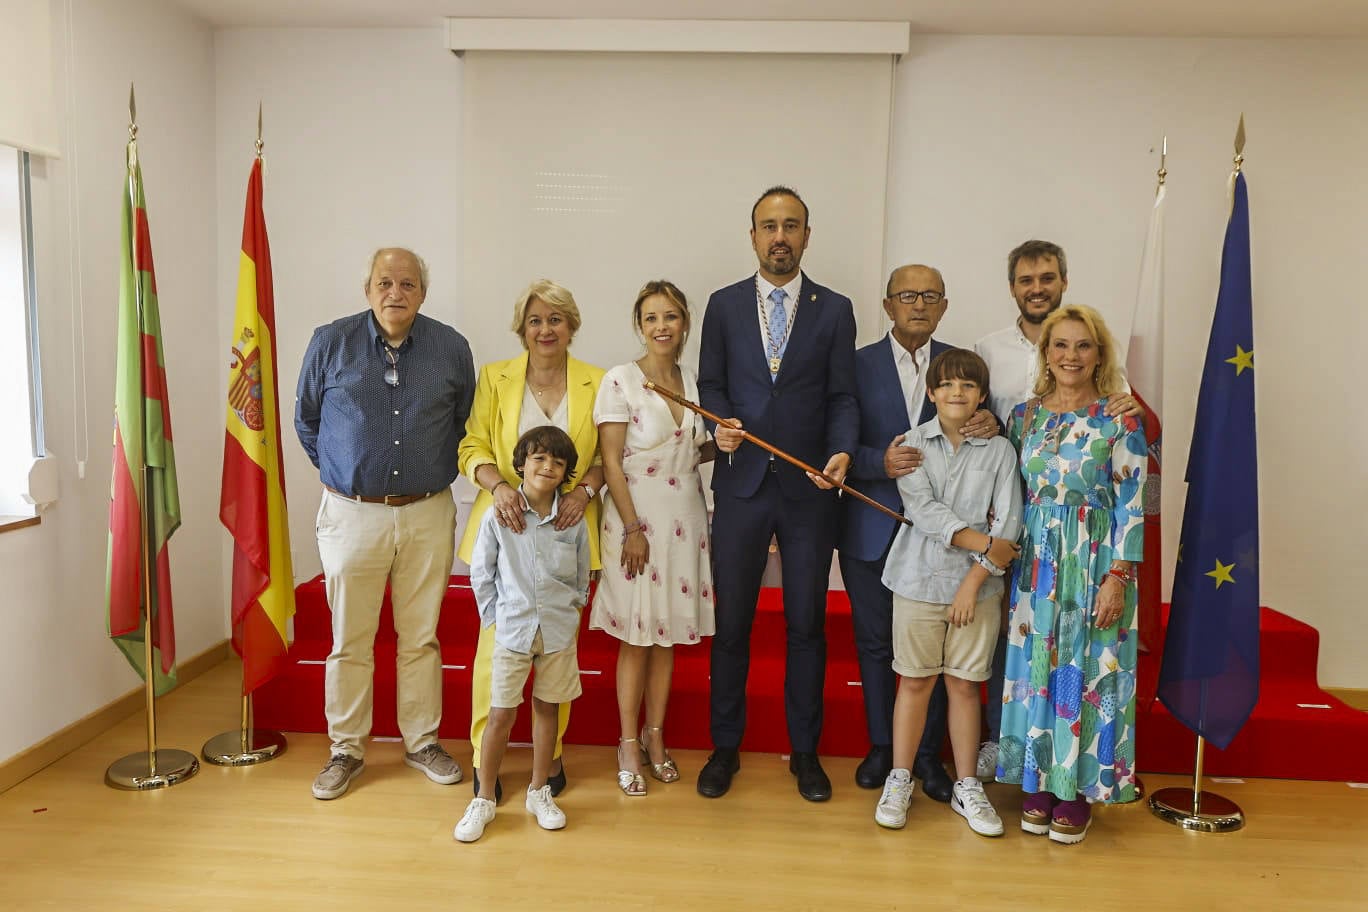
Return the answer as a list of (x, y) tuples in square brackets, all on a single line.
[(1209, 678)]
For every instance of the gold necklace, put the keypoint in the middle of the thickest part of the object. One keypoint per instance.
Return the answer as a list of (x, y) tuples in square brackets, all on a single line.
[(539, 392)]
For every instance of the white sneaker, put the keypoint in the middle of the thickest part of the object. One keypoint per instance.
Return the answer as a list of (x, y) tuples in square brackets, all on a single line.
[(987, 760), (891, 811), (973, 805), (477, 815), (540, 803)]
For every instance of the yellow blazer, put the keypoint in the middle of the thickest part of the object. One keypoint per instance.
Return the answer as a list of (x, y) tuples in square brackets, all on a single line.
[(491, 433)]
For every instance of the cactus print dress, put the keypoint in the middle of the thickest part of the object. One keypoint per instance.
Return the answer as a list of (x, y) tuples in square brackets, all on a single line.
[(672, 601), (1068, 717)]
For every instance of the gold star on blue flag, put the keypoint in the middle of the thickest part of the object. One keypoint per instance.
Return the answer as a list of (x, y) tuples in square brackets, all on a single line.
[(1222, 573), (1210, 674), (1242, 360)]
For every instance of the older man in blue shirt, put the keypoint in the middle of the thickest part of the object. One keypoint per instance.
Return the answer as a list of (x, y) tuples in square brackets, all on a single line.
[(382, 405)]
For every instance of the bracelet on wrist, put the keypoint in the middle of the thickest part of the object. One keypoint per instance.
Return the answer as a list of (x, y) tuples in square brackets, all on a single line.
[(496, 485), (1126, 577), (628, 529), (588, 491)]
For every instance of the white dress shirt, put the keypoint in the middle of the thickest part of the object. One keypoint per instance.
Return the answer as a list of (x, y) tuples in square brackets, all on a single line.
[(912, 376), (1012, 365)]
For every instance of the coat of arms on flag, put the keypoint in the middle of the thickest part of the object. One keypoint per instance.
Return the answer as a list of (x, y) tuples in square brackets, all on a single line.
[(244, 388)]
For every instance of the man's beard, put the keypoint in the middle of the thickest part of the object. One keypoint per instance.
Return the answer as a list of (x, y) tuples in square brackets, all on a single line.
[(781, 264)]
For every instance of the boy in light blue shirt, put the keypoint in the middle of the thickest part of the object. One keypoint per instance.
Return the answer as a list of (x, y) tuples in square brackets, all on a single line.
[(529, 585), (945, 572)]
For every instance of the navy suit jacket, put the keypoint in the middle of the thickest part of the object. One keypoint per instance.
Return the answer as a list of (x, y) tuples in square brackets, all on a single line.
[(865, 532), (809, 410)]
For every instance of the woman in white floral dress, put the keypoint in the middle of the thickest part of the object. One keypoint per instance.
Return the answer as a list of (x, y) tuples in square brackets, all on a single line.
[(656, 588)]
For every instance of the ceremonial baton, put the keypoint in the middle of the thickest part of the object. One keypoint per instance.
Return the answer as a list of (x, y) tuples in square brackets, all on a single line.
[(765, 445)]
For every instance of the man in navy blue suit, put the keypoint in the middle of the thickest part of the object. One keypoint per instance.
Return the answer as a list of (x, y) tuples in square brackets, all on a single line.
[(915, 301), (777, 359)]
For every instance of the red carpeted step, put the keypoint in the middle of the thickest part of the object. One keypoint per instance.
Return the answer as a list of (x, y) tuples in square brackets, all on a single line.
[(1297, 731)]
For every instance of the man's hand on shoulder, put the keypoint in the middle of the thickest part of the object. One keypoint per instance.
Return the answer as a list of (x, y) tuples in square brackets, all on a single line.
[(983, 425), (1124, 405), (836, 468), (901, 460)]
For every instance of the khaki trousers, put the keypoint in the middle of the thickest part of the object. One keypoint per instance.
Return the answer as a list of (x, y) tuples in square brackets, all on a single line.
[(481, 691), (363, 546)]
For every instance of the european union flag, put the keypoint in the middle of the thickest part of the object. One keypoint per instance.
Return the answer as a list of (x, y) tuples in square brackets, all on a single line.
[(1210, 676)]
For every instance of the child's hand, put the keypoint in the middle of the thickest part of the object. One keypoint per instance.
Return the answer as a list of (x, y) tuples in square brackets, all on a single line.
[(1003, 551), (962, 608)]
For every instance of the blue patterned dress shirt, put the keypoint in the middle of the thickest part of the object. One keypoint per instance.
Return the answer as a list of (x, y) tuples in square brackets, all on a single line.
[(370, 438)]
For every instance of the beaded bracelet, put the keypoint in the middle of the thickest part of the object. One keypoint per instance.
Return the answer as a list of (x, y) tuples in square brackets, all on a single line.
[(637, 526), (1125, 576)]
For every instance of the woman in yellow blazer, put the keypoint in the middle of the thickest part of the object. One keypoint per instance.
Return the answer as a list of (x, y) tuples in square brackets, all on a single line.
[(542, 386)]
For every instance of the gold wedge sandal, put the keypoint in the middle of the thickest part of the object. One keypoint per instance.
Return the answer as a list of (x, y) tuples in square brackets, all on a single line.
[(664, 772)]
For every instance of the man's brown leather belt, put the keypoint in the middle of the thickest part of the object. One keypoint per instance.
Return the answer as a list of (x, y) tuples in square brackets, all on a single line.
[(389, 500)]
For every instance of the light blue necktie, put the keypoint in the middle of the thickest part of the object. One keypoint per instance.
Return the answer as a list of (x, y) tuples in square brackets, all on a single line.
[(778, 331)]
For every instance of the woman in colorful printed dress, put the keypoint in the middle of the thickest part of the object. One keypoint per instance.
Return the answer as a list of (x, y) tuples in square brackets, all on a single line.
[(656, 588), (1068, 723)]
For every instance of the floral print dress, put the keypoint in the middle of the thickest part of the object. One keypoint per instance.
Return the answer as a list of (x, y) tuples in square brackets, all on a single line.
[(672, 601), (1068, 718)]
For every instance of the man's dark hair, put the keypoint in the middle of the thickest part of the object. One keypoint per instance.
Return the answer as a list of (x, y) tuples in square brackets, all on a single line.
[(1035, 250), (546, 439), (779, 190), (957, 364)]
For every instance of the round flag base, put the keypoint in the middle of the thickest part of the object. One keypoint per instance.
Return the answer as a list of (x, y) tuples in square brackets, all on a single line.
[(135, 773), (244, 748), (1209, 813)]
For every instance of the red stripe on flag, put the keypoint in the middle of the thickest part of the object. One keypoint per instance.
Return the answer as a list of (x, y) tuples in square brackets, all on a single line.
[(154, 382), (255, 638), (242, 510), (125, 548), (142, 247), (164, 633)]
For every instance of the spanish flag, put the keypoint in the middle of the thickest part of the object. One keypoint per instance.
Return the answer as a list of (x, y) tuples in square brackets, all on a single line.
[(252, 503), (144, 501)]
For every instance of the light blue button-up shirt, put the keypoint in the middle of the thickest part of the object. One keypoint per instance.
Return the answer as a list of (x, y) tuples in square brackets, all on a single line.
[(536, 579), (949, 492)]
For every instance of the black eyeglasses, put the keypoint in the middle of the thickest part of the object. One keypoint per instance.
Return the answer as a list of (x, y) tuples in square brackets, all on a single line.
[(392, 372), (932, 298)]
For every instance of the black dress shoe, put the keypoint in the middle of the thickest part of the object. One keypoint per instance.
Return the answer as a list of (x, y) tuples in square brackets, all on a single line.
[(934, 779), (716, 776), (874, 768), (498, 785), (813, 783), (557, 782)]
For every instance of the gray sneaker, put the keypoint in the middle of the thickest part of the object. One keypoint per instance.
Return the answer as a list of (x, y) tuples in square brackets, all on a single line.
[(436, 764), (332, 782)]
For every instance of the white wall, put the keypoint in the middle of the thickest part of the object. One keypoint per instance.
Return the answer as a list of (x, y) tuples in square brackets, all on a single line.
[(1001, 139), (56, 663)]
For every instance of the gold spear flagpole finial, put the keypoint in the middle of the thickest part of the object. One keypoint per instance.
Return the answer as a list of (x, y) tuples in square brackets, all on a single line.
[(259, 144), (132, 129), (1239, 143), (1163, 164)]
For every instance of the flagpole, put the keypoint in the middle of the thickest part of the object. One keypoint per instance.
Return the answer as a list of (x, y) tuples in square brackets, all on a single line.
[(1194, 809), (152, 769), (246, 746)]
